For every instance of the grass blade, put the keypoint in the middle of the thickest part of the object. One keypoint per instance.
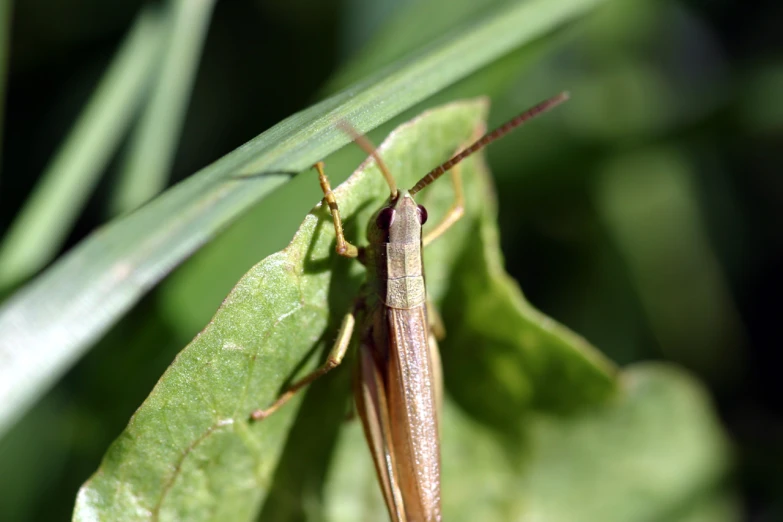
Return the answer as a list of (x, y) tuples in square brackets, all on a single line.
[(39, 230), (154, 142)]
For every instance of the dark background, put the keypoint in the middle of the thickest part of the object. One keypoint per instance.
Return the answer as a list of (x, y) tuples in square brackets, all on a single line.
[(688, 94)]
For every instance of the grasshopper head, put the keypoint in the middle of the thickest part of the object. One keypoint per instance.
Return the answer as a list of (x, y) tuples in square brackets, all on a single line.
[(398, 221)]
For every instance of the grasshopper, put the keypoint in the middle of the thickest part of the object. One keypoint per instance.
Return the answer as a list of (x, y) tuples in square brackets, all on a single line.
[(398, 383)]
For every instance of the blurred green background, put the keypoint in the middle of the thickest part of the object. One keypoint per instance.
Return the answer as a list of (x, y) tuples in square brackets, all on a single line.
[(641, 214)]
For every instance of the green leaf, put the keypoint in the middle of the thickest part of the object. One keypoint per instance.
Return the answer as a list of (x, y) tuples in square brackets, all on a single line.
[(190, 452), (650, 455), (49, 323), (500, 347), (561, 440)]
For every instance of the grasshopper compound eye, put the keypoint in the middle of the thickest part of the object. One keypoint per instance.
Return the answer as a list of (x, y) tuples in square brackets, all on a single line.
[(385, 218), (422, 214)]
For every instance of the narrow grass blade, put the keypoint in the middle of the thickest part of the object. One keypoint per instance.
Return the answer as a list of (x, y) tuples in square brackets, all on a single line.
[(39, 230), (154, 141), (47, 325)]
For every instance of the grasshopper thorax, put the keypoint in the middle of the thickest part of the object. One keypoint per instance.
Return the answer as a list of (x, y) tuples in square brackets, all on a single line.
[(399, 220)]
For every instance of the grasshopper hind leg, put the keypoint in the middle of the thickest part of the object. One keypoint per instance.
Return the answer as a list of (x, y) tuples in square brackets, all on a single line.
[(455, 212), (371, 394), (336, 355)]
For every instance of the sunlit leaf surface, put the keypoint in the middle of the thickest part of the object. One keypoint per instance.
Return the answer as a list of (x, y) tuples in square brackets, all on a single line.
[(525, 397)]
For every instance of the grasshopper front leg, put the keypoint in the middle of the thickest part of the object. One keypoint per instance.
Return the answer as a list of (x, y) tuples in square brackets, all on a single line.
[(344, 248)]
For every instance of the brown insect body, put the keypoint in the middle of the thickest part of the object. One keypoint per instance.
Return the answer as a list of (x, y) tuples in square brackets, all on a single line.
[(398, 387)]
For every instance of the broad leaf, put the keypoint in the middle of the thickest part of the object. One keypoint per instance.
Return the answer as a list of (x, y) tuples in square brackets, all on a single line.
[(191, 453)]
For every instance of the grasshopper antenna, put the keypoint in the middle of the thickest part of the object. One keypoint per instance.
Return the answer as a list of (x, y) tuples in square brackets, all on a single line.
[(367, 146), (489, 138)]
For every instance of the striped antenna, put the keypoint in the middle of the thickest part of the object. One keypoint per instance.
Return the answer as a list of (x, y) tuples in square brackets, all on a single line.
[(489, 138)]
